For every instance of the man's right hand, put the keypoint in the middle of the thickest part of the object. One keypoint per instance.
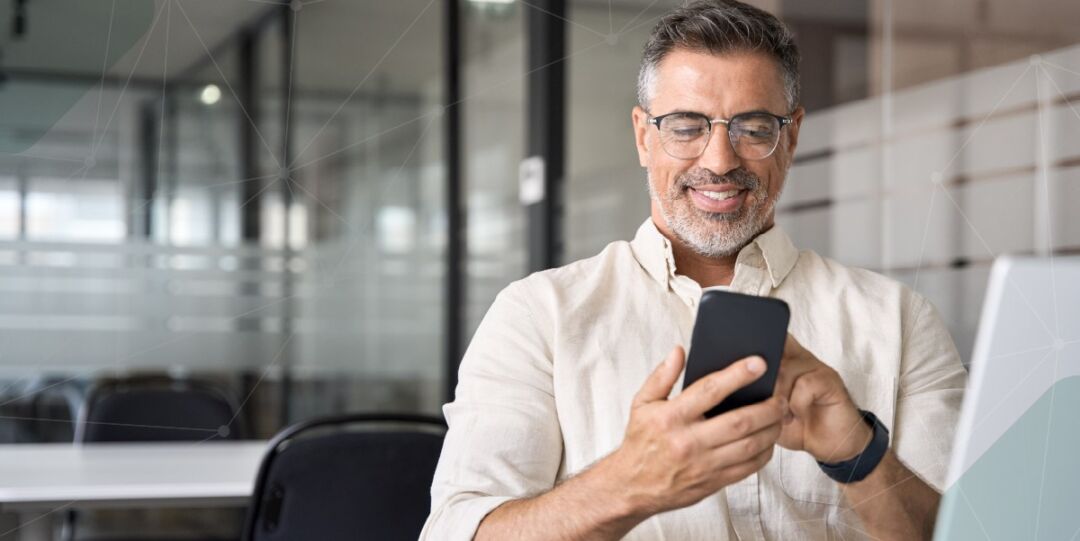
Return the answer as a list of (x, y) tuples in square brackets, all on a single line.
[(672, 456)]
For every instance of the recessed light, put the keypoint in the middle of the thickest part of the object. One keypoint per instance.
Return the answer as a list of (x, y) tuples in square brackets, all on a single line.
[(210, 94)]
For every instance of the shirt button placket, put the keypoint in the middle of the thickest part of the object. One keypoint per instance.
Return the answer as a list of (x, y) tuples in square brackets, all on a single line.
[(744, 497)]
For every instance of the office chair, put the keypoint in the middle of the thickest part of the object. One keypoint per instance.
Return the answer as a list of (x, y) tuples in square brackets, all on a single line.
[(152, 408), (322, 481), (155, 409)]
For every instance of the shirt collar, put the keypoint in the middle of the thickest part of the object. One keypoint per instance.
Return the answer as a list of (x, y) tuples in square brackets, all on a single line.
[(773, 247)]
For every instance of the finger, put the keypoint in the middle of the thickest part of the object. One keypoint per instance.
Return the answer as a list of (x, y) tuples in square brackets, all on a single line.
[(737, 472), (714, 388), (785, 376), (785, 380), (746, 448), (739, 423), (658, 385), (805, 392), (791, 368)]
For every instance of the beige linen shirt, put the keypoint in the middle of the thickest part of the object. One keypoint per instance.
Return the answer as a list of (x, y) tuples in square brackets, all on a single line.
[(546, 385)]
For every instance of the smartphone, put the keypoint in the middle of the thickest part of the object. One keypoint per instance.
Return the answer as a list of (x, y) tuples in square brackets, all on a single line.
[(729, 327)]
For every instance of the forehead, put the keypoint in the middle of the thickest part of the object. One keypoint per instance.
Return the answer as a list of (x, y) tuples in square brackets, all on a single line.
[(718, 85)]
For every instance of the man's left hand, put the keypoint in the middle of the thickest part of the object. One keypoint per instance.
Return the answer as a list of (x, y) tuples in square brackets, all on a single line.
[(823, 419)]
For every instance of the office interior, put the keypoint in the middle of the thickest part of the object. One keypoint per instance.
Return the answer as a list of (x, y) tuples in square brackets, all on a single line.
[(309, 205)]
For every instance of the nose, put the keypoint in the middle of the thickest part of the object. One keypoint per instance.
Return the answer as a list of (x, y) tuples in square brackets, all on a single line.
[(719, 156)]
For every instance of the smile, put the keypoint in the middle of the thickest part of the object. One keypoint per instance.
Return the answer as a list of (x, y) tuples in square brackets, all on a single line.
[(718, 201), (719, 196)]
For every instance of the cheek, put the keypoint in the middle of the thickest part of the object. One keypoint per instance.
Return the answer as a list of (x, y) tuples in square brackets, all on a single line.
[(776, 183), (772, 178), (658, 182), (663, 177)]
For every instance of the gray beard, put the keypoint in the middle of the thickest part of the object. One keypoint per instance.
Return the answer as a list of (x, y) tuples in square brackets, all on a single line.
[(713, 234)]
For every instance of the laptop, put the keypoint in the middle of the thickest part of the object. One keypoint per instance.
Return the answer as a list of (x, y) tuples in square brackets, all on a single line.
[(1015, 467)]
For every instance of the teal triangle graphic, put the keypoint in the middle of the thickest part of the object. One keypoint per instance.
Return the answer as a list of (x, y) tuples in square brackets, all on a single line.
[(1027, 485)]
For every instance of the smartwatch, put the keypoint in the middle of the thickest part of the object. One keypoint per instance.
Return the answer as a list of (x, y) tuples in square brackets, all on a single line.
[(857, 468)]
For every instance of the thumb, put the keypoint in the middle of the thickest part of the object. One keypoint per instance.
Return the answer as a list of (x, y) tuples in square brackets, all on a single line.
[(659, 384)]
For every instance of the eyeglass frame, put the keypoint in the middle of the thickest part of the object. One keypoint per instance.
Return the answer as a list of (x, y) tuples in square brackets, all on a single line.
[(784, 121)]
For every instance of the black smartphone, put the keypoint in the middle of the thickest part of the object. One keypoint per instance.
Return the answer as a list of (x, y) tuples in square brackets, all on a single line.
[(729, 327)]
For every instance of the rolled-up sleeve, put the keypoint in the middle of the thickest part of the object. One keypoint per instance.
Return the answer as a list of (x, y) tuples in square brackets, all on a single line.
[(932, 380), (504, 440)]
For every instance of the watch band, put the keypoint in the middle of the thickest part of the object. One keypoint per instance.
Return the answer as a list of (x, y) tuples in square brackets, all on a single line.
[(857, 468)]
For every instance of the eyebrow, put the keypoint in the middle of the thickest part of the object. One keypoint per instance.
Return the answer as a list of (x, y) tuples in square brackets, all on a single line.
[(750, 112)]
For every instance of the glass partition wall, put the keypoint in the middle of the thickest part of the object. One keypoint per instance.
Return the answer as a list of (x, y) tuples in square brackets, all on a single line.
[(241, 192)]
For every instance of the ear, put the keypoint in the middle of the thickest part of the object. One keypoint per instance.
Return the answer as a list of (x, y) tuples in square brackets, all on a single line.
[(640, 120), (792, 139)]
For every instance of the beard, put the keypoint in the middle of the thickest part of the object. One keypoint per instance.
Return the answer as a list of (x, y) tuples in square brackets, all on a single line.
[(714, 234)]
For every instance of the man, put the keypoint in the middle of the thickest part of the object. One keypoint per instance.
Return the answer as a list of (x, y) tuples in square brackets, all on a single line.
[(569, 422)]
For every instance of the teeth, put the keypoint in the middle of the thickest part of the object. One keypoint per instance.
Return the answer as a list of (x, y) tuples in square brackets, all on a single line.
[(719, 196)]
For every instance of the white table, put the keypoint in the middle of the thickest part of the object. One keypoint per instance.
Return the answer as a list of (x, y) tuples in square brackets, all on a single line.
[(41, 481)]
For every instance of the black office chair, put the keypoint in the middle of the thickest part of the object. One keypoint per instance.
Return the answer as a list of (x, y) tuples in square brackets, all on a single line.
[(156, 409), (153, 408), (347, 484)]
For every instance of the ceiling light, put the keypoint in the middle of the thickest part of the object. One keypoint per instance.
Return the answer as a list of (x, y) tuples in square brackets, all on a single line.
[(210, 94)]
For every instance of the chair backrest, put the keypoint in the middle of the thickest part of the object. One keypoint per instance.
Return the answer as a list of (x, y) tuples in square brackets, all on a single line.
[(156, 409), (322, 481)]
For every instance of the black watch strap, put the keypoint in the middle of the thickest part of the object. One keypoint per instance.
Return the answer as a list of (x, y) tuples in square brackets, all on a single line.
[(857, 468)]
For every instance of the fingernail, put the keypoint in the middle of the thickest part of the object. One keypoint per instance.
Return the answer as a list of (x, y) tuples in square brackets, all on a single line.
[(756, 365)]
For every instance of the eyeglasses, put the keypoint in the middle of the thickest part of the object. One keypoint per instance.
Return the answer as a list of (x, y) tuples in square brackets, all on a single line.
[(753, 136)]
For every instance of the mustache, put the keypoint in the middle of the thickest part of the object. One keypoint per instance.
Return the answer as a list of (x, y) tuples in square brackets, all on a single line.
[(740, 178)]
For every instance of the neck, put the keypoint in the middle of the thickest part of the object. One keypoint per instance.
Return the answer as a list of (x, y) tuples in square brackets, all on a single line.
[(706, 271)]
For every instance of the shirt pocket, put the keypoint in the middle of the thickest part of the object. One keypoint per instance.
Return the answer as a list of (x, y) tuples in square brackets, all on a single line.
[(800, 477)]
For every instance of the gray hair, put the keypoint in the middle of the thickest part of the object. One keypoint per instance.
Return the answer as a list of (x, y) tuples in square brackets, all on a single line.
[(720, 27)]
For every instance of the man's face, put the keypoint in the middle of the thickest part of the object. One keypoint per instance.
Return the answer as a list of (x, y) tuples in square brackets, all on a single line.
[(718, 202)]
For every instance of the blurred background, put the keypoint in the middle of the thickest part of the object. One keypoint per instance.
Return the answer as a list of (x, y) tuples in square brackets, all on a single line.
[(311, 204)]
